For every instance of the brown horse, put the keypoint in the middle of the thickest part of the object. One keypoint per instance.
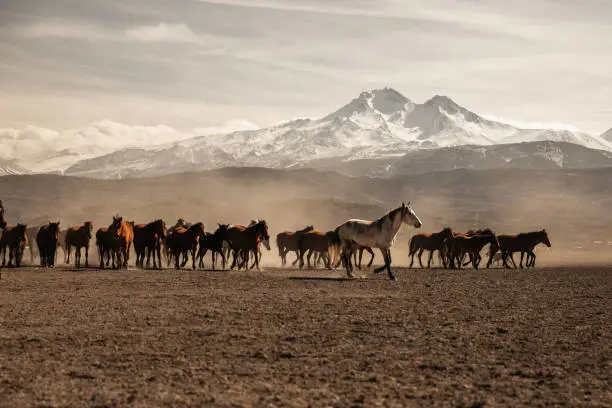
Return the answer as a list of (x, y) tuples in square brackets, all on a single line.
[(148, 240), (214, 244), (428, 242), (471, 245), (244, 240), (125, 231), (524, 243), (288, 241), (46, 240), (79, 237), (315, 242), (108, 247), (183, 240), (15, 239)]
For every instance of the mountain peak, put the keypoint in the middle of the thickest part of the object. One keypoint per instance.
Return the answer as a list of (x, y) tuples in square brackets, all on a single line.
[(607, 135), (444, 102), (386, 100)]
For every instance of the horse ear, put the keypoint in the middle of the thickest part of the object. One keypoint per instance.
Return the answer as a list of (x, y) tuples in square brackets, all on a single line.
[(408, 204)]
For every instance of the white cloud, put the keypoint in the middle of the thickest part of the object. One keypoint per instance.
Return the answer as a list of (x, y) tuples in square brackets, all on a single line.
[(41, 149), (155, 33), (228, 127), (65, 30), (163, 32)]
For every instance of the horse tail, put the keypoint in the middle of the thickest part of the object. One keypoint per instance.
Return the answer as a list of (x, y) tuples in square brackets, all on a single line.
[(412, 245), (334, 246), (279, 246)]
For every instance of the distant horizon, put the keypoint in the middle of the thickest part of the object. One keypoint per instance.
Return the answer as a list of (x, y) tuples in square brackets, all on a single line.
[(243, 124), (207, 63)]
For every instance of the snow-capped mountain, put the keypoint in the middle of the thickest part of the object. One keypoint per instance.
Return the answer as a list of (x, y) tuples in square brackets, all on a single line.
[(377, 124), (607, 135), (9, 168)]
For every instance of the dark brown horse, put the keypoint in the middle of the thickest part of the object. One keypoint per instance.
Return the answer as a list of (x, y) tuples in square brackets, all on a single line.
[(244, 240), (148, 240), (524, 243), (289, 241), (214, 243), (2, 219), (109, 247), (428, 242), (46, 240), (79, 237), (15, 239), (125, 232), (183, 240), (315, 242), (471, 246)]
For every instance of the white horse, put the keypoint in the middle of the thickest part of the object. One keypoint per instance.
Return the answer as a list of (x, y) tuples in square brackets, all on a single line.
[(379, 234)]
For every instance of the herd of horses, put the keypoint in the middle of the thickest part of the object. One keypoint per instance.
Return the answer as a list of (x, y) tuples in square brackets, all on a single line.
[(341, 246)]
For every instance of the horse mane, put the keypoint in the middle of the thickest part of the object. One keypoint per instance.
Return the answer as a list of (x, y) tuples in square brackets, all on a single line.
[(390, 214)]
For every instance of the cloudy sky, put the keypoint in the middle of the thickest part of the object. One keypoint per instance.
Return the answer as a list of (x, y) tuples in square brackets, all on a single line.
[(195, 63)]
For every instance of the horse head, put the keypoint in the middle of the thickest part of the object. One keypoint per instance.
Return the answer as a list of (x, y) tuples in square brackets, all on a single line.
[(89, 228), (222, 233), (54, 227), (198, 229), (115, 226), (262, 230), (409, 216), (447, 232), (545, 239), (164, 230)]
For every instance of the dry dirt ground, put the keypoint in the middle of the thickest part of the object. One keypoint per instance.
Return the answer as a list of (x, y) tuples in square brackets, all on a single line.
[(311, 338)]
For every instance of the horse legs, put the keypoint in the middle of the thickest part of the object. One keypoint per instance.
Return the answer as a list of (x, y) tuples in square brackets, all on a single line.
[(382, 268), (421, 254), (388, 264), (521, 262), (431, 253), (297, 257), (68, 250)]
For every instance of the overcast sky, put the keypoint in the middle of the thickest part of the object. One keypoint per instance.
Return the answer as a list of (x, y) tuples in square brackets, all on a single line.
[(192, 63)]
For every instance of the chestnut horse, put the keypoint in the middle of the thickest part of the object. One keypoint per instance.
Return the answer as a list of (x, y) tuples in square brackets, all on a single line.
[(148, 239), (244, 240), (125, 231), (79, 237), (15, 239), (288, 241), (46, 240), (428, 242), (315, 242), (214, 243), (379, 234), (183, 240), (524, 243)]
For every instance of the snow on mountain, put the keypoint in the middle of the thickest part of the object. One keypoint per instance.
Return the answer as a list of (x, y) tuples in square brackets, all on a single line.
[(607, 135), (579, 138), (10, 168), (376, 124), (45, 150)]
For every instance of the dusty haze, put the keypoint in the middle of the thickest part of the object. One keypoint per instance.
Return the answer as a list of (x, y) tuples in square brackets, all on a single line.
[(572, 205)]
